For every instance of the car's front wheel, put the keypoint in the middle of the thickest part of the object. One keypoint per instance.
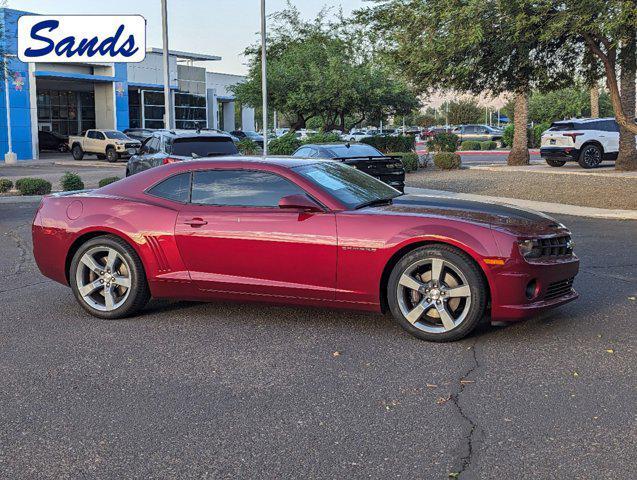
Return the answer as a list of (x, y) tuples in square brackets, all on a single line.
[(111, 155), (437, 293), (590, 156), (108, 278), (555, 162)]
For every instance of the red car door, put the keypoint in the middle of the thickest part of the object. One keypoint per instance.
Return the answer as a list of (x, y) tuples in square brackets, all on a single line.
[(233, 237)]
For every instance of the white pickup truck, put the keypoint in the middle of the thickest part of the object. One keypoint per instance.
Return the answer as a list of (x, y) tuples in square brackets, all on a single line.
[(106, 144)]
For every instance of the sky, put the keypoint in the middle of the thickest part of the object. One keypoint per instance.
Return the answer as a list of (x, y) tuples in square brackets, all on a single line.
[(215, 27)]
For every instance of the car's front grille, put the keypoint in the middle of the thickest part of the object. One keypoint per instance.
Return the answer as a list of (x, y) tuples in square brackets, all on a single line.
[(555, 246), (559, 289), (131, 145)]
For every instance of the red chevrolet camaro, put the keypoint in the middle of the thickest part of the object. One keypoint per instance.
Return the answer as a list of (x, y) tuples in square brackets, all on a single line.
[(299, 231)]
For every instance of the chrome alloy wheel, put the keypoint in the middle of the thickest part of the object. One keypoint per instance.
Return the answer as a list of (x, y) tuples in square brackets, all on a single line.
[(434, 295), (103, 278), (592, 156)]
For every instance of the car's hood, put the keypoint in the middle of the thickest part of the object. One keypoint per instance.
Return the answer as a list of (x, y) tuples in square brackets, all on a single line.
[(497, 215)]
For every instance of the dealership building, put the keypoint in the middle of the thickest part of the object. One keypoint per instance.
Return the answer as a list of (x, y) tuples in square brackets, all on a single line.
[(69, 98)]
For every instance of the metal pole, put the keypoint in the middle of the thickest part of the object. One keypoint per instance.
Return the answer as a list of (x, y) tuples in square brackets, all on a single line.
[(168, 123), (264, 81), (9, 157)]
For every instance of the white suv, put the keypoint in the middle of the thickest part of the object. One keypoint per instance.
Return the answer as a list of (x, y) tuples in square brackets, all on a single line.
[(586, 141)]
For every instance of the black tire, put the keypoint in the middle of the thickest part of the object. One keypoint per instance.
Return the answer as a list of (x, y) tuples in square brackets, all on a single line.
[(555, 162), (63, 147), (78, 153), (101, 156), (457, 259), (590, 156), (111, 155), (139, 292)]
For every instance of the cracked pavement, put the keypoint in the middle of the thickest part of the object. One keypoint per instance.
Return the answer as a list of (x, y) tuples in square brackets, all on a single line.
[(222, 390)]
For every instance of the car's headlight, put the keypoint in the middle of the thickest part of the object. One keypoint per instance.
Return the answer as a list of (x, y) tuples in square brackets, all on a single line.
[(529, 248)]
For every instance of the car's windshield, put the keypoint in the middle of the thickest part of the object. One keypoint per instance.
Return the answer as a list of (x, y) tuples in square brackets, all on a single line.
[(351, 187), (361, 150), (115, 135), (203, 146)]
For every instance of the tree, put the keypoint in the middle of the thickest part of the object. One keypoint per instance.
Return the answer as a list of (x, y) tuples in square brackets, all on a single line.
[(571, 102), (464, 111), (475, 46), (316, 69)]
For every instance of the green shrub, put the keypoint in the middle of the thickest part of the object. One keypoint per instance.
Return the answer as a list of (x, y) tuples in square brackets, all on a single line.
[(108, 180), (322, 137), (443, 142), (248, 147), (392, 144), (5, 185), (447, 160), (409, 160), (33, 186), (538, 130), (489, 145), (470, 145), (284, 145), (507, 136), (71, 181)]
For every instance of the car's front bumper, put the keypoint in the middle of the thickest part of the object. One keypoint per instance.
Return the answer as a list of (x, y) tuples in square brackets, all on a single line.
[(553, 279), (563, 153)]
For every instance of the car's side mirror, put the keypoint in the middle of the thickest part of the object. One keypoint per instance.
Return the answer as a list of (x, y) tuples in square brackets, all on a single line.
[(299, 202)]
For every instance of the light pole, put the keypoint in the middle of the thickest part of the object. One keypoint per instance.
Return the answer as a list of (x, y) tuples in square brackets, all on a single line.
[(264, 81), (10, 157), (168, 113)]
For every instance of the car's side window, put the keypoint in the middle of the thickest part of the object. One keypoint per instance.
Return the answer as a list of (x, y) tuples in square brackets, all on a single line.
[(240, 188), (176, 188), (91, 134), (99, 135)]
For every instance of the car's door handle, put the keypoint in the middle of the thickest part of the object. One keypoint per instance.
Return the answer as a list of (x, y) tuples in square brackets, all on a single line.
[(195, 222)]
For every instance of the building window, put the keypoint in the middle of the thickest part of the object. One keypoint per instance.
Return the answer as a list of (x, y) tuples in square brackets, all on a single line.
[(66, 112), (190, 111)]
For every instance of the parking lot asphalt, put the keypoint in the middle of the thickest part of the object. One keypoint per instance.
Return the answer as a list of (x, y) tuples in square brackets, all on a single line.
[(222, 390)]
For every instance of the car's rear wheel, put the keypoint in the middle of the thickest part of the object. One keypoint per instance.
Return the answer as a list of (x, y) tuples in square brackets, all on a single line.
[(111, 155), (437, 293), (555, 162), (108, 278), (77, 152), (590, 156)]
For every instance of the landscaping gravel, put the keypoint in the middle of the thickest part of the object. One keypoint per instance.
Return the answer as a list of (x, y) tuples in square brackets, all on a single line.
[(582, 190)]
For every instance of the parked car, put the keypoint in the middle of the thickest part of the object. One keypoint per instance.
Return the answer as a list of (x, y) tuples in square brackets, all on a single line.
[(586, 141), (140, 134), (357, 135), (388, 169), (308, 232), (223, 132), (304, 133), (109, 144), (478, 133), (52, 141), (169, 146), (254, 136)]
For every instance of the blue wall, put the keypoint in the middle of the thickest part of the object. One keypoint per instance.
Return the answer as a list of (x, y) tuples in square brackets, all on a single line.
[(121, 96), (19, 91)]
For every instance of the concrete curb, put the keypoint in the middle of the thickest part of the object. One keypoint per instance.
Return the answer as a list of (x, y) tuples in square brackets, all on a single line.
[(552, 171), (20, 199), (546, 207), (81, 164)]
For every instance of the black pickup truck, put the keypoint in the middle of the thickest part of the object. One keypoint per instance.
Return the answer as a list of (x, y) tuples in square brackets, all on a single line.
[(387, 168)]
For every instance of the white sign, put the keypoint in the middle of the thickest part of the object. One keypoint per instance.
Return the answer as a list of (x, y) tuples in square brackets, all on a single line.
[(81, 38)]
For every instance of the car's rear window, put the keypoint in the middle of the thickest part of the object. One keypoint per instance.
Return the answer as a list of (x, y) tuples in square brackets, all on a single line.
[(175, 188), (563, 127), (203, 146), (343, 151)]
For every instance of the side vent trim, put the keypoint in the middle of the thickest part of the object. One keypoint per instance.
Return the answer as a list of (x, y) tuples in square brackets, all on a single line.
[(158, 252)]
